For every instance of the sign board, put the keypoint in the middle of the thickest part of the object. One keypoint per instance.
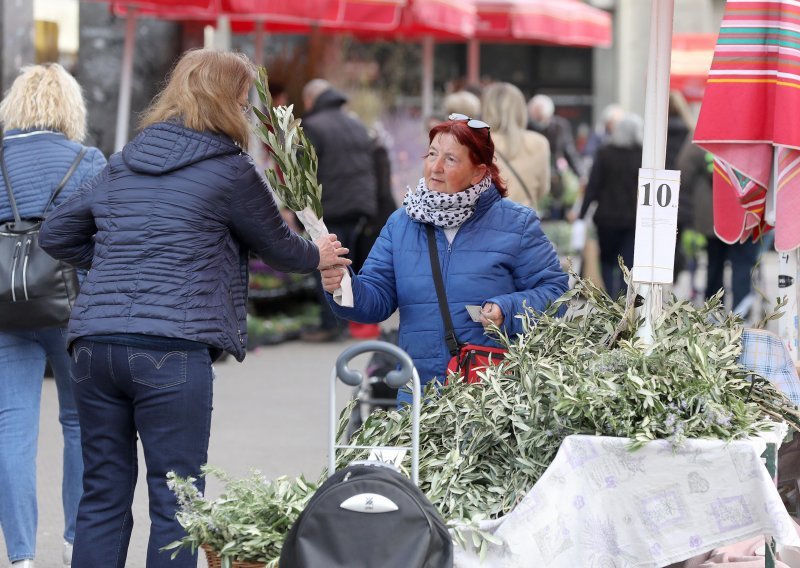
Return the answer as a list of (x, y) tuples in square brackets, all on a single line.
[(656, 225)]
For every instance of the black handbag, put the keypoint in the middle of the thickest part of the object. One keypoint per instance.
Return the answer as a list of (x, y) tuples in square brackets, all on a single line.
[(36, 290)]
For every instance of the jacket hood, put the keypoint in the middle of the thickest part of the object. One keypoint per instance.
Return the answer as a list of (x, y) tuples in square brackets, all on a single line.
[(168, 146), (329, 99)]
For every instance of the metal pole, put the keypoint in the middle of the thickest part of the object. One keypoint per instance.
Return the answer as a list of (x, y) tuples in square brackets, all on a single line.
[(654, 145), (126, 81), (427, 76), (258, 50), (473, 61)]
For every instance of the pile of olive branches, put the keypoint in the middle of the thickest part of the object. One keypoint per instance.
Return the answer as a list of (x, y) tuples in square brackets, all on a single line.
[(483, 446)]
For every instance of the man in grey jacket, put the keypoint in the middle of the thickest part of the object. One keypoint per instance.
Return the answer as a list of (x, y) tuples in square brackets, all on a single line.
[(347, 174)]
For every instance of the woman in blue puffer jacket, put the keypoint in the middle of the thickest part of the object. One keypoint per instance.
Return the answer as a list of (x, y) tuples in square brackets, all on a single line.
[(165, 232), (492, 252), (44, 122)]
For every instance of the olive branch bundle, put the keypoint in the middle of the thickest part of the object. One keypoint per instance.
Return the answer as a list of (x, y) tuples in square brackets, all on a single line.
[(296, 181)]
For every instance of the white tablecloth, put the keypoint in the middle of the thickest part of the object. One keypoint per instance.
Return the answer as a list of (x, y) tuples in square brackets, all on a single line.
[(599, 505)]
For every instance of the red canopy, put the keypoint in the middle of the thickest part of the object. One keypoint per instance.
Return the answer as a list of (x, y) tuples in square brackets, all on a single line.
[(448, 18), (563, 22)]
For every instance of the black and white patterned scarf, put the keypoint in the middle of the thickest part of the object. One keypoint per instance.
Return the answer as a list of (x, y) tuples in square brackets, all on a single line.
[(443, 209)]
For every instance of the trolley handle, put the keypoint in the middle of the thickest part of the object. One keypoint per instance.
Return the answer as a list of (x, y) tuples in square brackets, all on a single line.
[(394, 379)]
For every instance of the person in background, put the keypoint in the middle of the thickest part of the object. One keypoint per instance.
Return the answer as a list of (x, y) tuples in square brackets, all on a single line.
[(563, 154), (610, 117), (612, 185), (697, 172), (462, 102), (347, 174), (165, 231), (523, 155), (492, 253), (44, 122)]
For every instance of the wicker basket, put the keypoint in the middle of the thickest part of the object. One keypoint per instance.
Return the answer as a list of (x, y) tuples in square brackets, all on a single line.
[(213, 560)]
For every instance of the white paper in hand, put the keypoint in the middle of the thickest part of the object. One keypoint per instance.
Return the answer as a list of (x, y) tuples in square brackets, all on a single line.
[(316, 228), (474, 312)]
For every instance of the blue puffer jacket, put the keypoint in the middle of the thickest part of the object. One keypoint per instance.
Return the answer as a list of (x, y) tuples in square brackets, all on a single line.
[(499, 255), (37, 161), (165, 231)]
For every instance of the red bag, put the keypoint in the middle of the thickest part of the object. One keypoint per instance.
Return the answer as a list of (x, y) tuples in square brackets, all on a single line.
[(473, 358)]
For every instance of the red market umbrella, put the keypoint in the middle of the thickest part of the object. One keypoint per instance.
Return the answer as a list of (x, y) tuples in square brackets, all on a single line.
[(556, 22), (377, 18), (750, 121), (389, 18), (563, 22)]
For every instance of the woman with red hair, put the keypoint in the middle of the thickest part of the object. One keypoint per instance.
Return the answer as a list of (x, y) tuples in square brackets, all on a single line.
[(492, 252)]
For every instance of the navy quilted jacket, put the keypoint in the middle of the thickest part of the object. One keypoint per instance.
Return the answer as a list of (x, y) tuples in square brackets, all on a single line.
[(165, 232), (37, 161), (499, 255)]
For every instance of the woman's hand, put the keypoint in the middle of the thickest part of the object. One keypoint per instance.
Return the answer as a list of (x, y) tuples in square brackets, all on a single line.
[(491, 314), (332, 278), (331, 252)]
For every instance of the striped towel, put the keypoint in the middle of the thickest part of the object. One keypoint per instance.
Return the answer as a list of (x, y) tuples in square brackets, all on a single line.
[(750, 119), (763, 352)]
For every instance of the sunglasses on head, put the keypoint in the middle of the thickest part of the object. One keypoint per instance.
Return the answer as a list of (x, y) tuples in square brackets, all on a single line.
[(471, 122)]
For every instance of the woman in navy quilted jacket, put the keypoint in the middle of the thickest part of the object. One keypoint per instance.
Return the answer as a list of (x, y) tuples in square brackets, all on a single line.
[(492, 252), (44, 122), (165, 232)]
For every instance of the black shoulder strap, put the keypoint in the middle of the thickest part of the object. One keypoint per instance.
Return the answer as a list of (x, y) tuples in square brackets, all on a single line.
[(449, 333), (56, 191), (516, 175), (7, 181), (65, 179)]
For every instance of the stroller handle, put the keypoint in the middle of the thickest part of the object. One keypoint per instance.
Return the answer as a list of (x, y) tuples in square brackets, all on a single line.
[(394, 379)]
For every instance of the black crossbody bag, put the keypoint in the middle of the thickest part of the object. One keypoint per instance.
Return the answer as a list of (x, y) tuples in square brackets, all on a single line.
[(468, 359)]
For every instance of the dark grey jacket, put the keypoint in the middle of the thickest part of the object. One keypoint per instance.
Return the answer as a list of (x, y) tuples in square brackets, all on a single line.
[(165, 230), (346, 168)]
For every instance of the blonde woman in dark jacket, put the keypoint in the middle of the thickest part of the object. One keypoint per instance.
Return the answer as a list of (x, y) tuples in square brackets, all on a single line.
[(44, 122), (165, 231)]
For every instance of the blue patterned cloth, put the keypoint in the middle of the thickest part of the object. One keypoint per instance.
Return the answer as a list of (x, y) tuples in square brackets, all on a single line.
[(763, 352)]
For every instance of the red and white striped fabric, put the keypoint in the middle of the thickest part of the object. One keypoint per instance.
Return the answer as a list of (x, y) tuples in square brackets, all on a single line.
[(750, 112)]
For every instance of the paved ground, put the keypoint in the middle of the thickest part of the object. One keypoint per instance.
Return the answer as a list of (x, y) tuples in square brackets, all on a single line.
[(270, 413)]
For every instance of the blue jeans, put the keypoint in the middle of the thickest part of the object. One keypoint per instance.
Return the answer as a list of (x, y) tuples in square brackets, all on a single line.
[(164, 396), (22, 363), (742, 256), (613, 244)]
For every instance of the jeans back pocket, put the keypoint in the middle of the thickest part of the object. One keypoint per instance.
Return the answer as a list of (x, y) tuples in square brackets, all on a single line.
[(80, 368), (157, 369)]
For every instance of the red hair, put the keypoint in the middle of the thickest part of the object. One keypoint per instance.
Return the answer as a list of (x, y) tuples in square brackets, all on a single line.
[(479, 145)]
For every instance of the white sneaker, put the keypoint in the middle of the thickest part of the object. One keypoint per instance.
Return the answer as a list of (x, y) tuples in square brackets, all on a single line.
[(66, 555), (27, 563)]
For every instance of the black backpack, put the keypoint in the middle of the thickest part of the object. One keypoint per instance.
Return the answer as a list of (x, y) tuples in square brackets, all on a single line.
[(368, 515)]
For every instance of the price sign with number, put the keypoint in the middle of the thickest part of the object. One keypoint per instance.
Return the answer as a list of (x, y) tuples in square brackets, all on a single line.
[(656, 225)]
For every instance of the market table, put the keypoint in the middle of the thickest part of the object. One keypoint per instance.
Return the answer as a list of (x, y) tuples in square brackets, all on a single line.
[(600, 505)]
